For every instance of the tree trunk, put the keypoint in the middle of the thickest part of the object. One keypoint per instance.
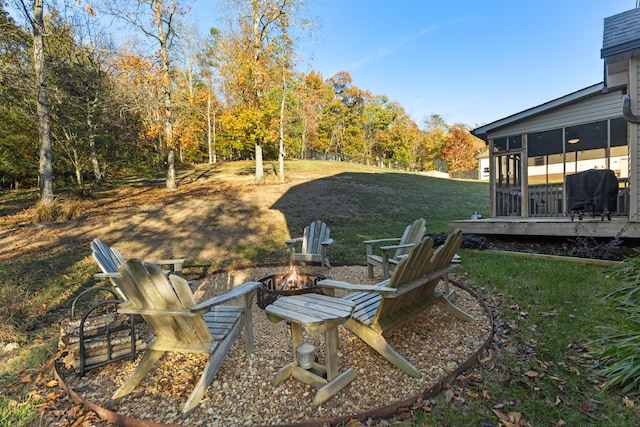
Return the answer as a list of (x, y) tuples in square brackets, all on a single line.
[(215, 152), (97, 172), (303, 139), (76, 165), (171, 171), (209, 129), (257, 46), (281, 148), (259, 166), (163, 36), (45, 169)]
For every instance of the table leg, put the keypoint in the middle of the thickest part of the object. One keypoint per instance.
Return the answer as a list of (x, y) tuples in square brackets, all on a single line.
[(296, 339), (331, 350)]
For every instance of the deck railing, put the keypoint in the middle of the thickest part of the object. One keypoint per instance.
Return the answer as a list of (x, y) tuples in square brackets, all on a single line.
[(547, 200)]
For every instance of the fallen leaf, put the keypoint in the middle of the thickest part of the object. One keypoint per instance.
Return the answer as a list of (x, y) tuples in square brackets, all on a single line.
[(485, 360), (52, 383), (531, 374), (507, 419), (448, 395), (628, 403), (472, 394), (26, 379), (34, 394)]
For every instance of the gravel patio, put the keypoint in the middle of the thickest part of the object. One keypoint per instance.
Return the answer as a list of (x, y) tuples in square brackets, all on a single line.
[(242, 393)]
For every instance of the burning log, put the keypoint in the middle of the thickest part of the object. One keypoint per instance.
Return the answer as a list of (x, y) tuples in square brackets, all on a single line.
[(289, 283)]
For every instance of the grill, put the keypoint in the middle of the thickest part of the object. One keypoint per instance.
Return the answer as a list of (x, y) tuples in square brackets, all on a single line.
[(597, 188), (291, 283)]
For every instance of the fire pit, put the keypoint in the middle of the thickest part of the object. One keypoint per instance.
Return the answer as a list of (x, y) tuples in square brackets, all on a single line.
[(292, 282)]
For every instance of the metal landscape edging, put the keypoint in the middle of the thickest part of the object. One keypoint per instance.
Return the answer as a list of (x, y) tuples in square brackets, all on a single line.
[(382, 412)]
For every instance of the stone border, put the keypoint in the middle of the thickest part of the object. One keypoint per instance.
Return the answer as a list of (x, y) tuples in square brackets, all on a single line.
[(387, 411)]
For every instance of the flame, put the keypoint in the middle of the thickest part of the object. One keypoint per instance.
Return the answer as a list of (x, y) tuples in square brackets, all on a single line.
[(292, 280)]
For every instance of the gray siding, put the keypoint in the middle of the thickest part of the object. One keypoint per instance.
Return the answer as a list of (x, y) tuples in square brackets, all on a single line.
[(634, 202), (600, 107)]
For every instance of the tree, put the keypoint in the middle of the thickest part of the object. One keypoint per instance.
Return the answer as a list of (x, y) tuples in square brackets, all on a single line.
[(459, 151), (342, 117), (35, 17), (436, 134), (155, 19), (313, 94), (139, 86), (209, 61), (249, 52), (377, 118), (80, 82), (18, 126)]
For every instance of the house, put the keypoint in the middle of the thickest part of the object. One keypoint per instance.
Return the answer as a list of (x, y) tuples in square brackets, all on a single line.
[(536, 156), (483, 165)]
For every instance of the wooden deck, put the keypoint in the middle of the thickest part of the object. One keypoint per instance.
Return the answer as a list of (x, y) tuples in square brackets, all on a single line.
[(554, 227)]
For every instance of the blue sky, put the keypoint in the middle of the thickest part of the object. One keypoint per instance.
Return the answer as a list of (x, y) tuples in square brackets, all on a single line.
[(471, 62)]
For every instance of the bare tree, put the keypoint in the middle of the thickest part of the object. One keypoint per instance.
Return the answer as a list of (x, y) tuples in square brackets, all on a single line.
[(34, 13), (155, 19)]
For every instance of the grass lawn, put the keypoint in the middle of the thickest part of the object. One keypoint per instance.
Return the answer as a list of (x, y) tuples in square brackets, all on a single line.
[(538, 370)]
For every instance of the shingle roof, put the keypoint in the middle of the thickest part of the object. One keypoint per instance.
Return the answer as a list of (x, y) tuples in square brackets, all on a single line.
[(621, 33)]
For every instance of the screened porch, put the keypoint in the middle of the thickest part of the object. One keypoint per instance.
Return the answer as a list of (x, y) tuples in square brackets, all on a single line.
[(529, 171)]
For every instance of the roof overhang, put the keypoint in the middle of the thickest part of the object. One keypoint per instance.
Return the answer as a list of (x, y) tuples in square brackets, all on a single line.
[(483, 131), (621, 48)]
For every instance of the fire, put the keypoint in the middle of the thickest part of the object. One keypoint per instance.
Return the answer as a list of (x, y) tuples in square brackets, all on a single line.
[(290, 281)]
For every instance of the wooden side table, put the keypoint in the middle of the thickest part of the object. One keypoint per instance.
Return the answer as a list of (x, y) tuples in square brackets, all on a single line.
[(318, 314)]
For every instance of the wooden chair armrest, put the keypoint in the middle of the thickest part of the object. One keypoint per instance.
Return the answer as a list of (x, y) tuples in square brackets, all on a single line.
[(390, 239), (125, 309), (328, 242), (100, 276), (390, 247), (178, 261), (238, 291), (345, 286), (295, 240)]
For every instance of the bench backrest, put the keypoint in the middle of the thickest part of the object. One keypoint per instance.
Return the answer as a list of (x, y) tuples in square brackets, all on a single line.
[(313, 236), (424, 266), (167, 301)]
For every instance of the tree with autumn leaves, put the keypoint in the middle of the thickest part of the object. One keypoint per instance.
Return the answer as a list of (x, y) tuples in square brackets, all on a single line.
[(460, 149), (235, 94)]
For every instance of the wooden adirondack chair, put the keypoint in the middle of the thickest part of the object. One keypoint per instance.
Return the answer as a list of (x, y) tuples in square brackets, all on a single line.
[(109, 259), (314, 242), (413, 234), (180, 325), (388, 305)]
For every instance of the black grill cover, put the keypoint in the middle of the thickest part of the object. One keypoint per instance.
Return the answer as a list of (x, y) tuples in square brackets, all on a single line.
[(597, 188)]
